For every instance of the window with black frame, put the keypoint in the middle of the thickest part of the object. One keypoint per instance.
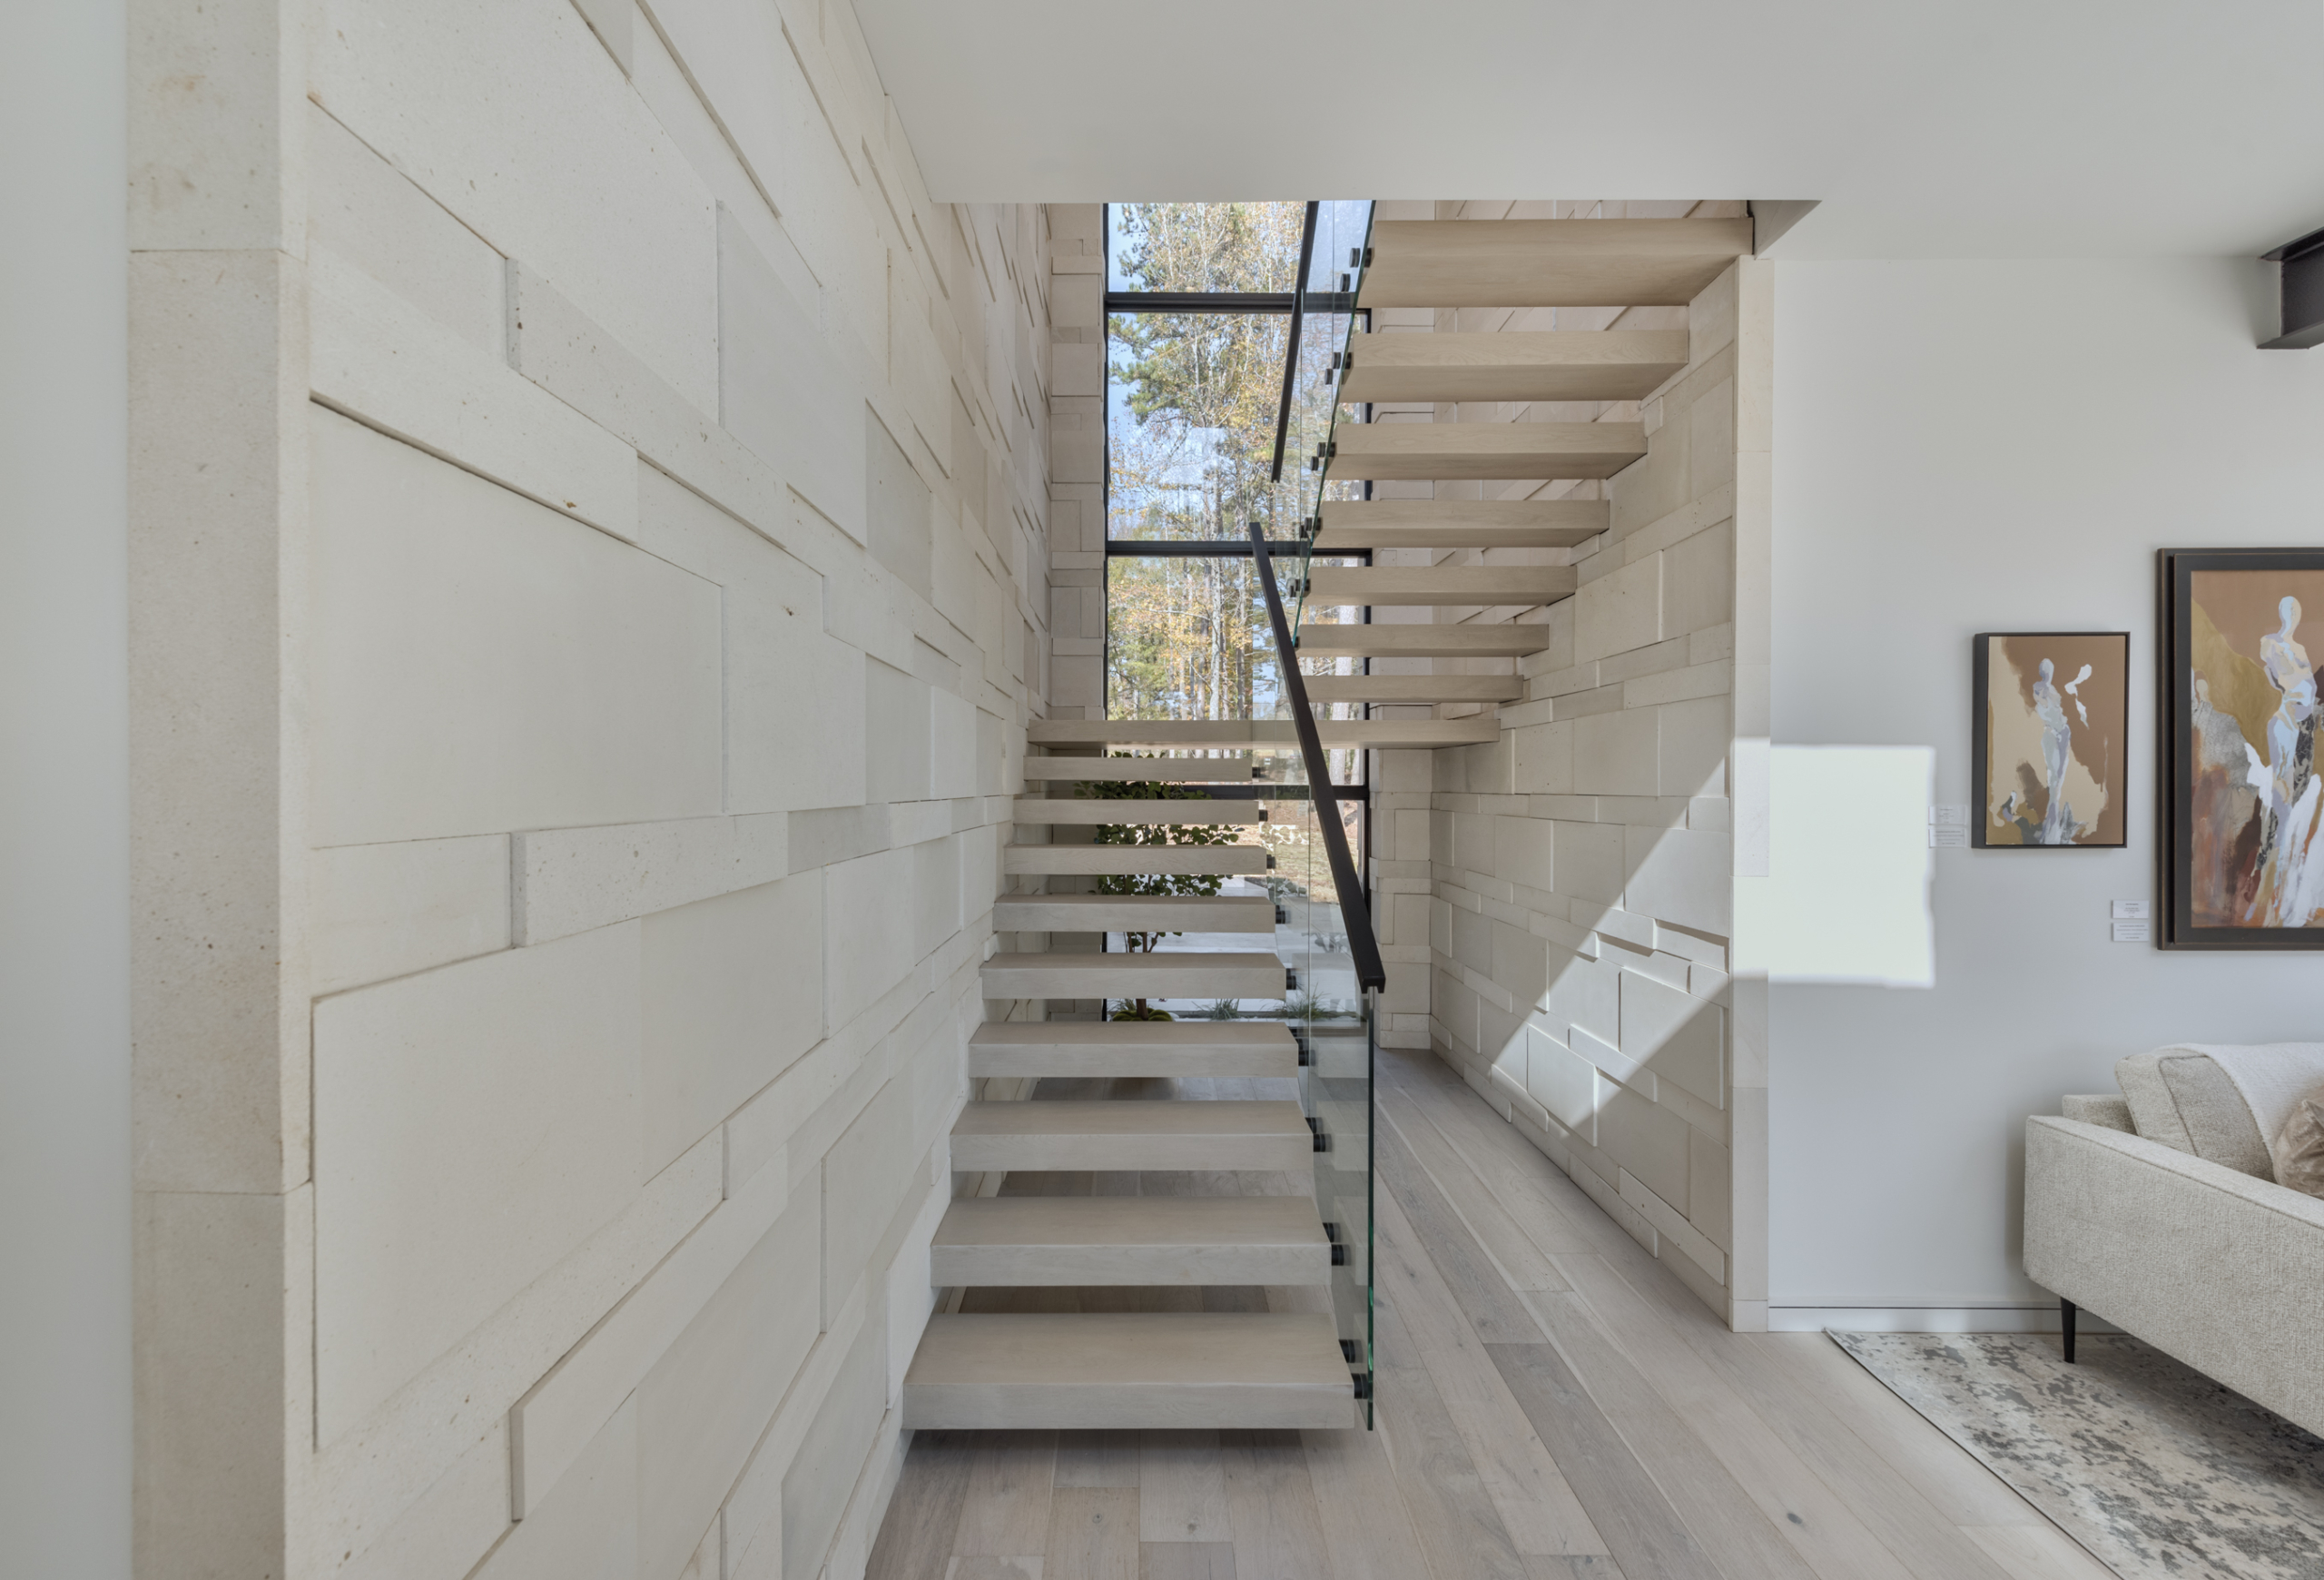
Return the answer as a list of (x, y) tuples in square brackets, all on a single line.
[(1198, 326)]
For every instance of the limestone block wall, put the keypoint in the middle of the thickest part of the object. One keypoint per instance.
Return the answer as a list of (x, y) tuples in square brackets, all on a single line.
[(1077, 460), (1580, 869), (590, 523)]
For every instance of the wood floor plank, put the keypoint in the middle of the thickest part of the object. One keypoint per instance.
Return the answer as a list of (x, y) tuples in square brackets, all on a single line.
[(1794, 1499), (1940, 1470), (1814, 1422), (1523, 1264), (1016, 1567), (1642, 1530), (1536, 1506), (1011, 1477), (1543, 1566), (1491, 1306), (1367, 1533), (1549, 1207), (915, 1541), (1181, 1489), (1461, 1534), (1271, 1507), (1185, 1561), (1093, 1535), (1719, 1512), (2038, 1552), (1097, 1459)]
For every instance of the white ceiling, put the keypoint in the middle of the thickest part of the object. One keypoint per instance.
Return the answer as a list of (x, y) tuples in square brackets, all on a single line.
[(1960, 128)]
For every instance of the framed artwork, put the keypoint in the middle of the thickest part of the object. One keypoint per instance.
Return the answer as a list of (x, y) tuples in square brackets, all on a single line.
[(2242, 859), (2048, 759)]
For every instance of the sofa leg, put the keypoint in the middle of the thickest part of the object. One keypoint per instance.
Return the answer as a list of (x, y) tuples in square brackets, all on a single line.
[(2065, 1320)]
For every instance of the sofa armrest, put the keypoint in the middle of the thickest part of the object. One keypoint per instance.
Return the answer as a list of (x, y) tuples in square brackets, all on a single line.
[(2109, 1109), (2216, 1267)]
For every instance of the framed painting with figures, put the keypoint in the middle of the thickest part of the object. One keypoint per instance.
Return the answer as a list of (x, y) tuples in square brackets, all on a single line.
[(2047, 755), (2242, 829)]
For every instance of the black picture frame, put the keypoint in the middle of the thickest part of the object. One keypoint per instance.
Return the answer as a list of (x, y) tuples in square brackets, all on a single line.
[(2176, 747), (1981, 734)]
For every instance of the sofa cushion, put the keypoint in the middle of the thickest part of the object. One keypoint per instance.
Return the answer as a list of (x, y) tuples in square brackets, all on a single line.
[(2183, 1099), (2299, 1149), (2221, 1102)]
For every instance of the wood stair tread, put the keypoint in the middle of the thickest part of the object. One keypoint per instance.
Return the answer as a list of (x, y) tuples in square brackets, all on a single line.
[(1424, 641), (1191, 810), (1412, 690), (1352, 525), (1174, 973), (1019, 1240), (1512, 365), (1133, 912), (1158, 1048), (1393, 585), (1417, 451), (1117, 860), (1548, 262), (1118, 1117), (1240, 1370), (1134, 1134)]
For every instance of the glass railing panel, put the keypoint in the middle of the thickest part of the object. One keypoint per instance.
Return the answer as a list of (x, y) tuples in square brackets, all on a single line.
[(1324, 933), (1328, 316)]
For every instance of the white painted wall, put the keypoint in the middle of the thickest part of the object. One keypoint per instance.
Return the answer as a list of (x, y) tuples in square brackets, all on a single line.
[(1966, 446), (64, 1298)]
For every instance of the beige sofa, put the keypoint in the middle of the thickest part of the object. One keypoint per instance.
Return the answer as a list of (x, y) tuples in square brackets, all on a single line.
[(2158, 1210)]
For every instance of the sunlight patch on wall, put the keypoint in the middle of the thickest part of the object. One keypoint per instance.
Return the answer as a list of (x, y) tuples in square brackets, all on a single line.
[(1846, 897)]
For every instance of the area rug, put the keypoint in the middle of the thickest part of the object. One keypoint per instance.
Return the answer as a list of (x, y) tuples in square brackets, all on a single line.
[(2154, 1467)]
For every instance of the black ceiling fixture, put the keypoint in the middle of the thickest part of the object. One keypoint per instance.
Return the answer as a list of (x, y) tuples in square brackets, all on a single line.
[(2302, 324)]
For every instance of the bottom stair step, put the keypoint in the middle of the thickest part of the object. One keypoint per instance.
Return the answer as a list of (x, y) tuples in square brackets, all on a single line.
[(1019, 1240), (1115, 1370)]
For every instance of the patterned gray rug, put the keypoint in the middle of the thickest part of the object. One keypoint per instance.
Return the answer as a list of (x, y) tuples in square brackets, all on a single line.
[(2155, 1468)]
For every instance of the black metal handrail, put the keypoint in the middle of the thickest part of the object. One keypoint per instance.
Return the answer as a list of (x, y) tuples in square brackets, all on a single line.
[(1291, 345), (1370, 972)]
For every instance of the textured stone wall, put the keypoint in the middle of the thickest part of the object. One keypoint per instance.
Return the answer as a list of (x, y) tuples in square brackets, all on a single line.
[(590, 515), (1078, 461), (1570, 885)]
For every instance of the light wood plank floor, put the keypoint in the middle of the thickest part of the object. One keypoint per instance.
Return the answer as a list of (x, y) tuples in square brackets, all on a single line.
[(1553, 1405)]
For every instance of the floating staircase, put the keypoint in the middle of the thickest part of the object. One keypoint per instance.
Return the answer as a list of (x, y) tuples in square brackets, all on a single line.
[(1491, 263), (1019, 1368), (1072, 1310)]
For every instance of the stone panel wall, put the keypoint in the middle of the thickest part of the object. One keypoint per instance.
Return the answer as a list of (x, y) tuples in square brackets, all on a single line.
[(591, 520), (1580, 870)]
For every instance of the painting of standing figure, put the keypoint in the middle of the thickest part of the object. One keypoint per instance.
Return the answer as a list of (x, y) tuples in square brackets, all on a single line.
[(2047, 753), (2244, 857)]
